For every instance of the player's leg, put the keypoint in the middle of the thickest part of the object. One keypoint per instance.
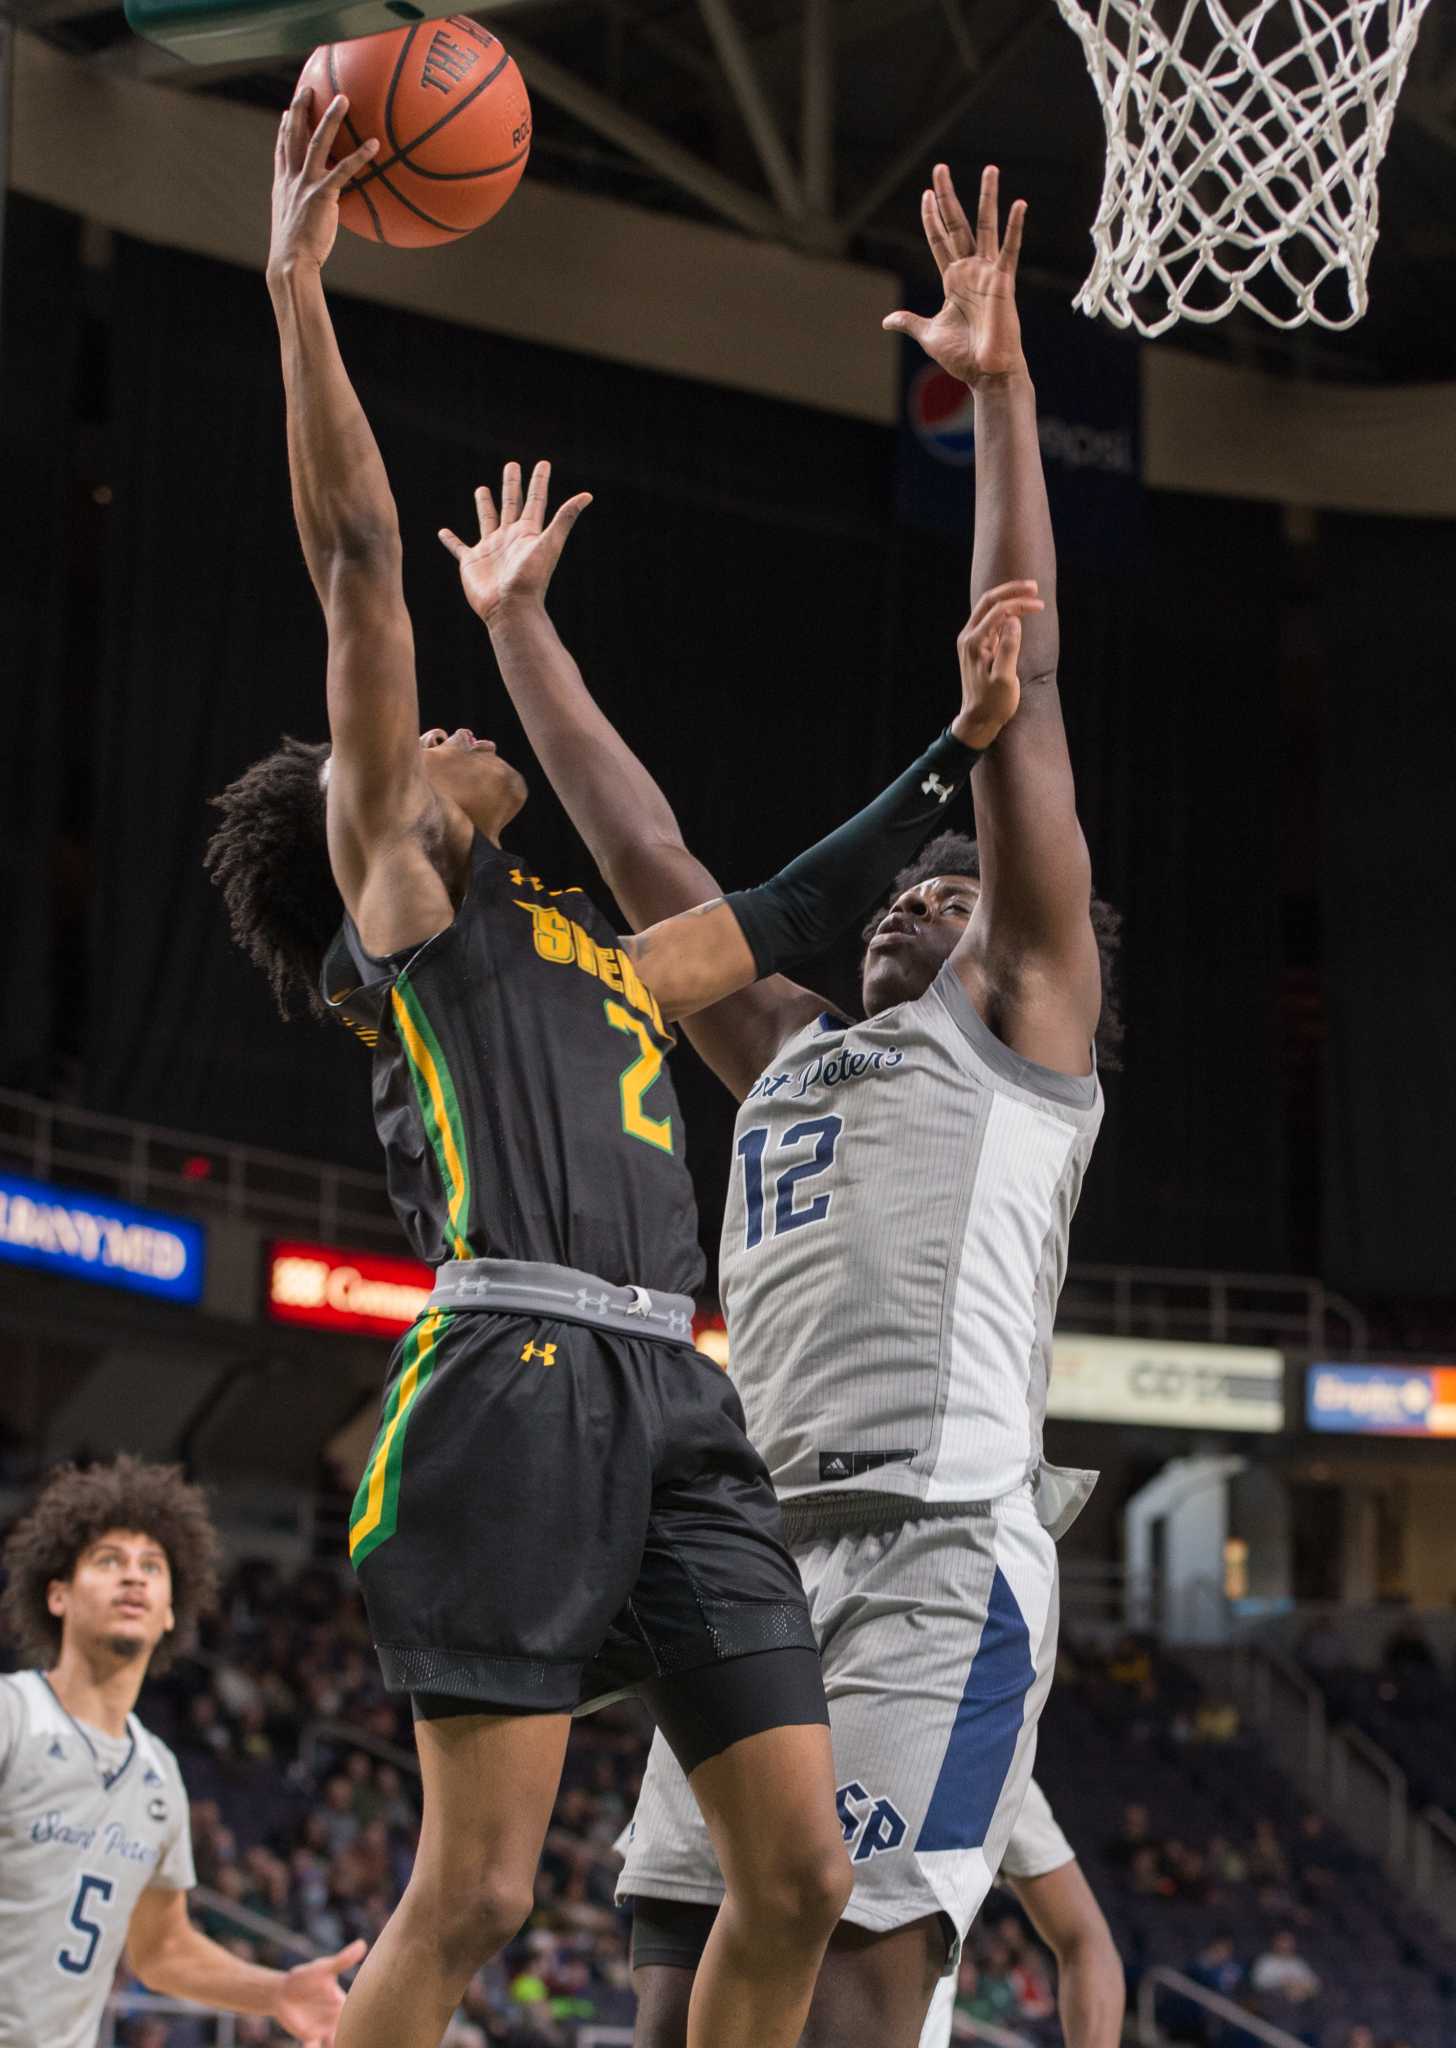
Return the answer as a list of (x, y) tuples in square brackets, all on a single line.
[(668, 1939), (875, 1989), (768, 1802), (495, 1534), (938, 1643), (489, 1784), (720, 1605)]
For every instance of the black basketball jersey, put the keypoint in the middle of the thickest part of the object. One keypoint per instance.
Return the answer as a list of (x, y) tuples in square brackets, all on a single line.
[(520, 1086)]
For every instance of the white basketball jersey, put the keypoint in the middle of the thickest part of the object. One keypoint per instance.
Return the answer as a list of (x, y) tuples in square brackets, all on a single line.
[(894, 1244), (80, 1841)]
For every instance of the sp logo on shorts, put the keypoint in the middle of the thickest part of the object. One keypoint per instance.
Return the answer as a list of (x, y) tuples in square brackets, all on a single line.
[(545, 1352), (869, 1824)]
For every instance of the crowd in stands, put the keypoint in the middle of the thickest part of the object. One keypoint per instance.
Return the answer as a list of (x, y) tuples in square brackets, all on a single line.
[(306, 1814), (293, 1820), (1205, 1860)]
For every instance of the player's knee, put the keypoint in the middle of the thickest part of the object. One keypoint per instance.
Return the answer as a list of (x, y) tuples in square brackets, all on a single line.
[(801, 1899), (471, 1922)]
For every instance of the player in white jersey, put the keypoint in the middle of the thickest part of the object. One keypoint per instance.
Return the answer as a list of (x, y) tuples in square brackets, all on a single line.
[(894, 1245), (95, 1847), (1040, 1868)]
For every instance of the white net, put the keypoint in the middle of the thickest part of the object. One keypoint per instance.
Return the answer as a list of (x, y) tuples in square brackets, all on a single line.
[(1243, 146)]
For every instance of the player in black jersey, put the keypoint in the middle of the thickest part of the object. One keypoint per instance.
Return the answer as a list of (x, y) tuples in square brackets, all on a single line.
[(561, 1504)]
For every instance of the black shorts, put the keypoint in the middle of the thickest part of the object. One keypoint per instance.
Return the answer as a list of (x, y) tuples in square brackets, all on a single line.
[(554, 1515)]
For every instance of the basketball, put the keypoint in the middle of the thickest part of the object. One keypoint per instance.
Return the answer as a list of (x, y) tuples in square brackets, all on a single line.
[(453, 122)]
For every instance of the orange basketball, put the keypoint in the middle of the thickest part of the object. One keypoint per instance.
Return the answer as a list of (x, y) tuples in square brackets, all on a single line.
[(452, 118)]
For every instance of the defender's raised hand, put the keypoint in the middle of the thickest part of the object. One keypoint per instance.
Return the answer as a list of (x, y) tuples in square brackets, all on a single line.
[(976, 335), (517, 553), (305, 190), (988, 646)]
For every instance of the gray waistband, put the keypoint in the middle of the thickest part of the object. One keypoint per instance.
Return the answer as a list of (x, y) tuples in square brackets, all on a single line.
[(561, 1294), (810, 1516)]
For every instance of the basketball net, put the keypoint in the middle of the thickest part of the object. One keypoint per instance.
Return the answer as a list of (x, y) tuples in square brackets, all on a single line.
[(1243, 145)]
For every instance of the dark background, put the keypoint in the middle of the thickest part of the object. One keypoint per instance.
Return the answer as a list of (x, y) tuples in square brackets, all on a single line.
[(1261, 714)]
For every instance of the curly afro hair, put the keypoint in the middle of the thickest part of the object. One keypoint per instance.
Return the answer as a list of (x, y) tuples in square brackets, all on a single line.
[(270, 858), (76, 1507), (955, 854)]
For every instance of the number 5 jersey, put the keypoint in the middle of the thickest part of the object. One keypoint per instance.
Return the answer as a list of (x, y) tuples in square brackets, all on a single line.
[(87, 1823)]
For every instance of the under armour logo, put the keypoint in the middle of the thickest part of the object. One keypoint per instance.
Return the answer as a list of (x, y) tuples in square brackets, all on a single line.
[(933, 786), (521, 878), (679, 1322), (592, 1304), (545, 1352)]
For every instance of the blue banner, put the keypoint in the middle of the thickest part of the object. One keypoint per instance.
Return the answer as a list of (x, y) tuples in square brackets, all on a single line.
[(1088, 390), (1382, 1400), (62, 1230)]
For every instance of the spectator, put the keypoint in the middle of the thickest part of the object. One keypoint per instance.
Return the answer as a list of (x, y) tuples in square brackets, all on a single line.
[(1283, 1971), (1135, 1838), (1216, 1967), (1268, 1863)]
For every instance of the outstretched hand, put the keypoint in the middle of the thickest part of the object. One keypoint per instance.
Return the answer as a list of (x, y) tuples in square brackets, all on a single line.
[(988, 647), (311, 1999), (976, 335), (517, 553), (305, 190)]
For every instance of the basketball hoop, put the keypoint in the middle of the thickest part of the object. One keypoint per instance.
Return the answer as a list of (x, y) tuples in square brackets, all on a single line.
[(1243, 146)]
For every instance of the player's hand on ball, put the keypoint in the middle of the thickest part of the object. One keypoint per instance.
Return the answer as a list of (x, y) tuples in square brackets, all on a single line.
[(516, 555), (305, 189), (976, 335), (311, 1999), (989, 645)]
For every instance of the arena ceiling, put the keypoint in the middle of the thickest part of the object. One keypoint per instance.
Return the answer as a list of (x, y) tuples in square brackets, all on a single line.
[(812, 123)]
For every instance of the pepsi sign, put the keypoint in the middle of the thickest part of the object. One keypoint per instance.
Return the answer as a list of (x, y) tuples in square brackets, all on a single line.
[(941, 414)]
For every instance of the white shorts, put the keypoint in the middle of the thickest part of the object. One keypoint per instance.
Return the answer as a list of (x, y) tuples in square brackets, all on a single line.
[(938, 1636), (1037, 1846)]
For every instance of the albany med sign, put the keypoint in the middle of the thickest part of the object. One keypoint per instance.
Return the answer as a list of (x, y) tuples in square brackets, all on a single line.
[(90, 1237)]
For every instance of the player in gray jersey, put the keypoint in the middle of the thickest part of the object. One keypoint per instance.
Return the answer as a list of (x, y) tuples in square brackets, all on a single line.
[(893, 1249), (95, 1848)]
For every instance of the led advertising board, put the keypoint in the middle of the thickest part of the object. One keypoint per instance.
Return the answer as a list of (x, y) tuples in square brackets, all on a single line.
[(327, 1288), (1166, 1385), (1382, 1400), (91, 1237)]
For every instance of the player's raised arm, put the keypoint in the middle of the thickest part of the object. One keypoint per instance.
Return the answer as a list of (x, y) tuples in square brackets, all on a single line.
[(377, 793), (696, 947), (1033, 925)]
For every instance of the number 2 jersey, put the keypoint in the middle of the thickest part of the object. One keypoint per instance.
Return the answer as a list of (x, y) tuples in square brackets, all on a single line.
[(520, 1086), (894, 1244), (87, 1824)]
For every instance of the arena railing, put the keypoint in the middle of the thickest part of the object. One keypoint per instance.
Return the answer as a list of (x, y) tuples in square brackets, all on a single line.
[(1362, 1788), (152, 1164), (1213, 2002), (1433, 1853), (155, 1166)]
